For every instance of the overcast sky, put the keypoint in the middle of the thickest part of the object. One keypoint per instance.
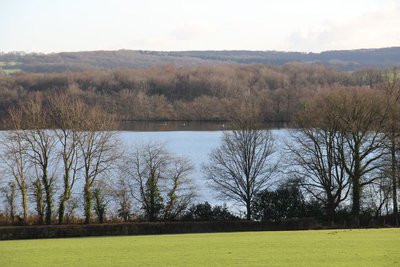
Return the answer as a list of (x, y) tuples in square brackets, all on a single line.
[(288, 25)]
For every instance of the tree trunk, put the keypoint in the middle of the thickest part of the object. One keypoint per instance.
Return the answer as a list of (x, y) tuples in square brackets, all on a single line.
[(356, 202), (49, 197), (88, 202), (39, 200), (248, 210), (152, 206), (356, 179), (11, 202), (24, 205), (394, 180), (330, 211), (61, 209), (63, 200)]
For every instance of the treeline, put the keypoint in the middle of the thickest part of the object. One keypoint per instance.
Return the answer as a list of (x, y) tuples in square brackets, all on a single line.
[(342, 156), (61, 162), (347, 147), (88, 60), (190, 93), (94, 60)]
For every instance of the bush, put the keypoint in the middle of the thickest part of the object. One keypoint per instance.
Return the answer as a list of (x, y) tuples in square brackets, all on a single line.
[(286, 202), (148, 228), (206, 212)]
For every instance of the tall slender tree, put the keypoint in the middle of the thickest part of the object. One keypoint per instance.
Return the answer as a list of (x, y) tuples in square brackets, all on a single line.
[(98, 146), (68, 116), (391, 90), (160, 181), (15, 158), (361, 116), (42, 145)]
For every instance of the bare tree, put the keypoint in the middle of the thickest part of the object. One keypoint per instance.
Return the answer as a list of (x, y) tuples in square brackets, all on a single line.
[(314, 152), (41, 147), (68, 117), (360, 114), (121, 194), (100, 203), (98, 147), (180, 190), (317, 164), (241, 167), (71, 207), (15, 158), (145, 171), (391, 90), (159, 181), (10, 195), (378, 194), (38, 198)]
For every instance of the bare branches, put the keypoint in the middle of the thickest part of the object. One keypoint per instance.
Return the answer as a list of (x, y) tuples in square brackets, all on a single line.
[(68, 117), (98, 148), (241, 167), (315, 156), (159, 181), (350, 124)]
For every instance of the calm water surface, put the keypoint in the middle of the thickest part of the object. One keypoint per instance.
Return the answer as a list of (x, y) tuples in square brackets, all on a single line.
[(196, 146), (193, 145)]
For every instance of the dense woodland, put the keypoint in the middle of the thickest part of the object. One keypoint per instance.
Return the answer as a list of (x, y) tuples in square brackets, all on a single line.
[(343, 165), (190, 93)]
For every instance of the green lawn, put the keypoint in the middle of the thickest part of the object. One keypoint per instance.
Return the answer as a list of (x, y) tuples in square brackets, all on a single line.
[(8, 63), (297, 248), (8, 67), (11, 71)]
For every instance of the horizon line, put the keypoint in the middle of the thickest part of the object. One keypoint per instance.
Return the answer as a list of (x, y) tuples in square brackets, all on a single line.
[(195, 50)]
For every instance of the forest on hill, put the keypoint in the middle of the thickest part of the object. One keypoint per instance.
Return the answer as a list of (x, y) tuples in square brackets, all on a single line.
[(134, 59), (197, 93)]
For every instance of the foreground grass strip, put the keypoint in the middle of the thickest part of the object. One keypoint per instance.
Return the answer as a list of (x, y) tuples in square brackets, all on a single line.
[(372, 247)]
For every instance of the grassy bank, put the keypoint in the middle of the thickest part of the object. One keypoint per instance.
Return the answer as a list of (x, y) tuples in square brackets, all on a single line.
[(373, 247)]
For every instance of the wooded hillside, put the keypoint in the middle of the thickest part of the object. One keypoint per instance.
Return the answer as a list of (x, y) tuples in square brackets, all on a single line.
[(213, 92), (130, 59)]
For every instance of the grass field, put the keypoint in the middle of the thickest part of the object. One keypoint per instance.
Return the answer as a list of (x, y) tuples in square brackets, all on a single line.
[(11, 71), (8, 63), (9, 67), (374, 247)]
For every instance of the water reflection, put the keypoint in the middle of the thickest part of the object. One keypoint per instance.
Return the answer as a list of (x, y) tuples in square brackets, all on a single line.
[(156, 126)]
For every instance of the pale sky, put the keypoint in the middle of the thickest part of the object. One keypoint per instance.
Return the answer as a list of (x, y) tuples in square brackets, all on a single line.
[(176, 25)]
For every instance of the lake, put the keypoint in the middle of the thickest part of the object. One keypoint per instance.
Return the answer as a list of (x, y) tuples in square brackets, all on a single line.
[(193, 145), (196, 146)]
